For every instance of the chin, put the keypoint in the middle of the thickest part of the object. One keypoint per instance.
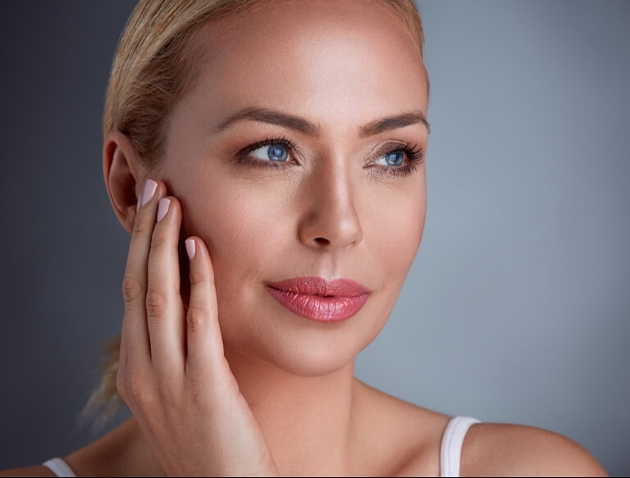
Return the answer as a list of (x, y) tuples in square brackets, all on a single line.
[(313, 358), (303, 348)]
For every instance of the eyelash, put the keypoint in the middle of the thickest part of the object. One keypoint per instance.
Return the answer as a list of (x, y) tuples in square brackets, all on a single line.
[(414, 154), (243, 154)]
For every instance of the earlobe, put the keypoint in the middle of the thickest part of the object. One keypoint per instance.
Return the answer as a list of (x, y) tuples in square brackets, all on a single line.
[(123, 172)]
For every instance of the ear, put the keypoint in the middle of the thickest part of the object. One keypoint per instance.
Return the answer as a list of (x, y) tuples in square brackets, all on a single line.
[(124, 173)]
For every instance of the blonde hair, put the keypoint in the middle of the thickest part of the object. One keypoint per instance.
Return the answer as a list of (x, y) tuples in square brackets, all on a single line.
[(153, 69)]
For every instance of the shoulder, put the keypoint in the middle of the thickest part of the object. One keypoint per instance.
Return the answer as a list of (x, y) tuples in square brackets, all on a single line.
[(397, 438), (28, 471), (512, 450)]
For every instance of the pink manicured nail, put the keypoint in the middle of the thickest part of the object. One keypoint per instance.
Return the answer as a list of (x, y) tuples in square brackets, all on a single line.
[(190, 248), (163, 206), (149, 190)]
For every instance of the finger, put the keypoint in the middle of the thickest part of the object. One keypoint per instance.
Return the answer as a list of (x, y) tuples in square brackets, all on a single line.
[(203, 335), (164, 306), (134, 344)]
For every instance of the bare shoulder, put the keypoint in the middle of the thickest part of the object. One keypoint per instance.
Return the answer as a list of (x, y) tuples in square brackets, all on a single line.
[(121, 452), (512, 450), (398, 438), (28, 471)]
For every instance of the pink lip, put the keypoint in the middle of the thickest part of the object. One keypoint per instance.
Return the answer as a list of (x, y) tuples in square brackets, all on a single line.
[(318, 299)]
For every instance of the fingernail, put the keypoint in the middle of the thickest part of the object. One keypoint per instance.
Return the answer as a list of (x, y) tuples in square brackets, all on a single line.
[(190, 248), (149, 190), (163, 206)]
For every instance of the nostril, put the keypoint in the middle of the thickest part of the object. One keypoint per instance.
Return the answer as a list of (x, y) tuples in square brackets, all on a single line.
[(322, 241)]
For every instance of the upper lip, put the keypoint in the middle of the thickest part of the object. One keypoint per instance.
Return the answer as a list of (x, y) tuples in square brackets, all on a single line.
[(321, 287)]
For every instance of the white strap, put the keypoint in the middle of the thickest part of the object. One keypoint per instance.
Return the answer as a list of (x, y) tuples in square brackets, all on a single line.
[(452, 442), (59, 467)]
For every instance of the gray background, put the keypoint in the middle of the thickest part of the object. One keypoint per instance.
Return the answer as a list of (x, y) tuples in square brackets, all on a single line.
[(517, 307)]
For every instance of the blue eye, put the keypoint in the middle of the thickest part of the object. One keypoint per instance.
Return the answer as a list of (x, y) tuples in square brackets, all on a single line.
[(274, 152), (395, 158)]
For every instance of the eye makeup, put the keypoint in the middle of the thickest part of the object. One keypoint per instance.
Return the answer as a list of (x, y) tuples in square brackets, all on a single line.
[(412, 156), (244, 155)]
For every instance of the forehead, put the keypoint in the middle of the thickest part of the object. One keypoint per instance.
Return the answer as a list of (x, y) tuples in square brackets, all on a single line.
[(353, 57)]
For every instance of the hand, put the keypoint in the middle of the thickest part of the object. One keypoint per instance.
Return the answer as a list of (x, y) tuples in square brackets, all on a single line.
[(173, 374)]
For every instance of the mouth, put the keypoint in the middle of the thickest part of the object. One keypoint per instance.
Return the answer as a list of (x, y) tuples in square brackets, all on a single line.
[(318, 299)]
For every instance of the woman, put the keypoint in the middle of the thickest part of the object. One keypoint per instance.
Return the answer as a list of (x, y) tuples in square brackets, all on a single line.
[(284, 144)]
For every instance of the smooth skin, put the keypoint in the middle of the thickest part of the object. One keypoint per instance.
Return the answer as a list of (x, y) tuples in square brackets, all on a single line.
[(221, 378)]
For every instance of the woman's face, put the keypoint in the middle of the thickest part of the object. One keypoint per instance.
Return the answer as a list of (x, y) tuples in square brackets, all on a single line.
[(285, 168)]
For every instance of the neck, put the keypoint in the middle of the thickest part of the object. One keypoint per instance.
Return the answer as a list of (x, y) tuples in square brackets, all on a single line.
[(302, 418)]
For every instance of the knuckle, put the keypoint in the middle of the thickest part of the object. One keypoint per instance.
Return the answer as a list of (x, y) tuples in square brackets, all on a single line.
[(139, 227), (156, 302), (197, 277), (196, 318), (144, 398), (136, 388), (131, 289), (159, 241)]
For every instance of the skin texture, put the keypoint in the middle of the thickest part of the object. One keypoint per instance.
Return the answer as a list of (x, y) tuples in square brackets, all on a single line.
[(334, 210)]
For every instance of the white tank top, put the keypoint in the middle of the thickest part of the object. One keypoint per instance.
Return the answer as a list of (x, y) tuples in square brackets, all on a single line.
[(450, 451)]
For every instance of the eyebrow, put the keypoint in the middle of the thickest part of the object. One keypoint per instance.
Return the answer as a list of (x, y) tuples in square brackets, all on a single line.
[(265, 115), (394, 122), (279, 118)]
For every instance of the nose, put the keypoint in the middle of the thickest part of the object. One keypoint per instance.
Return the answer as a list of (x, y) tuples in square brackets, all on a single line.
[(329, 219)]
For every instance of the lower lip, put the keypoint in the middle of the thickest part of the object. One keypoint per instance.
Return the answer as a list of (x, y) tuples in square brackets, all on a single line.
[(320, 308)]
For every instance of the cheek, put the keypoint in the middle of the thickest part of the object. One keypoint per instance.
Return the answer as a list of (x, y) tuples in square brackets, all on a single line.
[(395, 233), (393, 238), (236, 225), (246, 228)]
